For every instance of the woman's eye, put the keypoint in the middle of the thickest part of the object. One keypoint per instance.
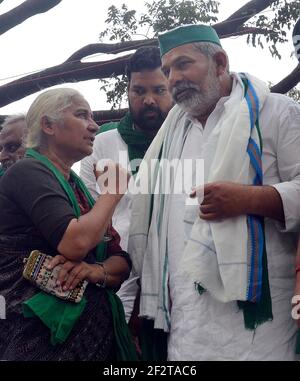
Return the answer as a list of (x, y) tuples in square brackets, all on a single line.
[(83, 115)]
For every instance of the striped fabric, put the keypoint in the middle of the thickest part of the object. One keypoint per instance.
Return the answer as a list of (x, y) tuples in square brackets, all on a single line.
[(255, 224)]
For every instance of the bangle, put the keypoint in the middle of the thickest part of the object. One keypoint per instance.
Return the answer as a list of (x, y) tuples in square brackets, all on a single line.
[(102, 283), (297, 269)]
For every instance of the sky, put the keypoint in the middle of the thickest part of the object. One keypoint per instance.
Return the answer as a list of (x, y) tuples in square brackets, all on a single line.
[(49, 39)]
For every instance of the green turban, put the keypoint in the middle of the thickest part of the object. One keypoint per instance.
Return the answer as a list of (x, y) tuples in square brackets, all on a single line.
[(187, 34)]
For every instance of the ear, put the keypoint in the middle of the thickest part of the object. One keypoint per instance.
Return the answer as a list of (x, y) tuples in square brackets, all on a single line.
[(47, 126), (221, 63)]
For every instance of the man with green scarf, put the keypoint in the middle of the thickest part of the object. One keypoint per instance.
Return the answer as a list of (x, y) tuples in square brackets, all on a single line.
[(219, 278), (127, 141)]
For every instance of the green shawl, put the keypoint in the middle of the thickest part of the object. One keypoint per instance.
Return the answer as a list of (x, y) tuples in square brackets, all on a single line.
[(137, 141), (60, 316)]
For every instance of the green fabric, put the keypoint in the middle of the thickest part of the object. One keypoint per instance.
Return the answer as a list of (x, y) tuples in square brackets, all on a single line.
[(258, 313), (60, 316), (153, 342), (186, 34), (137, 141), (107, 126), (1, 171)]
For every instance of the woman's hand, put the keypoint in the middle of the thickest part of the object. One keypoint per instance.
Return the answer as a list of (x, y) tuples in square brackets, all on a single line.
[(111, 177), (71, 272)]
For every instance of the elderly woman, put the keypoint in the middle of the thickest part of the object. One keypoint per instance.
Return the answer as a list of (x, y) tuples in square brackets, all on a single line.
[(45, 206)]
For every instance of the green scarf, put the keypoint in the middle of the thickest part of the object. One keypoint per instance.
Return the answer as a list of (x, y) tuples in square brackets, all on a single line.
[(1, 171), (137, 141), (60, 316)]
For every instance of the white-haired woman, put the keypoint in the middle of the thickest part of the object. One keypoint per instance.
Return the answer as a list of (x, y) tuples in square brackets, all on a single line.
[(45, 206)]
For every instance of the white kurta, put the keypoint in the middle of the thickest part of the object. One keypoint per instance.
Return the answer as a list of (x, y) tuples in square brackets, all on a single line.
[(110, 145), (203, 328)]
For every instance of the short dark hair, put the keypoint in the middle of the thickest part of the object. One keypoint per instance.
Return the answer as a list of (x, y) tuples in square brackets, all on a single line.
[(145, 58)]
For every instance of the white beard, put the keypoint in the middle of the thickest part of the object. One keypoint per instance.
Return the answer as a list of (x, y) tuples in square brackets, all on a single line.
[(199, 103)]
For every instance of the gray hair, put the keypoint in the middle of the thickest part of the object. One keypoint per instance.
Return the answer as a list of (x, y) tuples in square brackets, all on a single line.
[(14, 119), (50, 104), (209, 49)]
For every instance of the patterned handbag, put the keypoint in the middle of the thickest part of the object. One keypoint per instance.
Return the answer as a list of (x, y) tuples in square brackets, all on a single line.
[(36, 271)]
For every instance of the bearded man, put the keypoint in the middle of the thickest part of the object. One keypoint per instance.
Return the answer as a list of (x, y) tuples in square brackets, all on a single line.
[(220, 280), (127, 140)]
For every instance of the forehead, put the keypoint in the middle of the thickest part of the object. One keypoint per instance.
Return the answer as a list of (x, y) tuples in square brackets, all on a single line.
[(147, 78), (12, 131), (187, 50), (79, 103)]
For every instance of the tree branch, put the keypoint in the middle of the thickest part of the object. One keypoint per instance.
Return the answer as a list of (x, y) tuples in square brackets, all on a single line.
[(110, 48), (247, 30), (288, 82), (72, 70), (25, 10), (67, 72), (234, 22)]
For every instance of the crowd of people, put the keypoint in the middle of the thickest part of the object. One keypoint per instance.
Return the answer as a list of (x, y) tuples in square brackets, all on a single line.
[(207, 273)]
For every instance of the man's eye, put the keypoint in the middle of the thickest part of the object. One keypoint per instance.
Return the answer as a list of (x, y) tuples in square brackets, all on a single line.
[(181, 65), (138, 91), (160, 91), (13, 147)]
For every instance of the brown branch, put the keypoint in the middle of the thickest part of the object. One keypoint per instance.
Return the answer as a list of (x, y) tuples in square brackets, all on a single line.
[(25, 10), (247, 30), (234, 22), (109, 48), (67, 72), (288, 82), (72, 70)]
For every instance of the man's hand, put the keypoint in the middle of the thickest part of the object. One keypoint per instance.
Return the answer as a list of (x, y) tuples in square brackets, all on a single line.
[(223, 200)]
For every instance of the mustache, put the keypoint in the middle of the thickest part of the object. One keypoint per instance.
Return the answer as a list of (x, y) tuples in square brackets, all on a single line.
[(184, 85), (150, 109)]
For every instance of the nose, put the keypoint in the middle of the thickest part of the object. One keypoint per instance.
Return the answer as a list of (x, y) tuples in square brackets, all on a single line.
[(93, 126), (149, 100)]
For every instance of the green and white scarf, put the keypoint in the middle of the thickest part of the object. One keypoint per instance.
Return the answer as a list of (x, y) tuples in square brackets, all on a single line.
[(60, 316), (148, 232)]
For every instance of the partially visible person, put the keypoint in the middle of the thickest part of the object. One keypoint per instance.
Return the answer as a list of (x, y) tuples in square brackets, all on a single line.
[(12, 137), (149, 103), (219, 278), (45, 206)]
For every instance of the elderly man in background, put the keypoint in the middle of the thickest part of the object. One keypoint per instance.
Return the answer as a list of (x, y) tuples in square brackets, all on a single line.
[(220, 282), (12, 137), (149, 103)]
